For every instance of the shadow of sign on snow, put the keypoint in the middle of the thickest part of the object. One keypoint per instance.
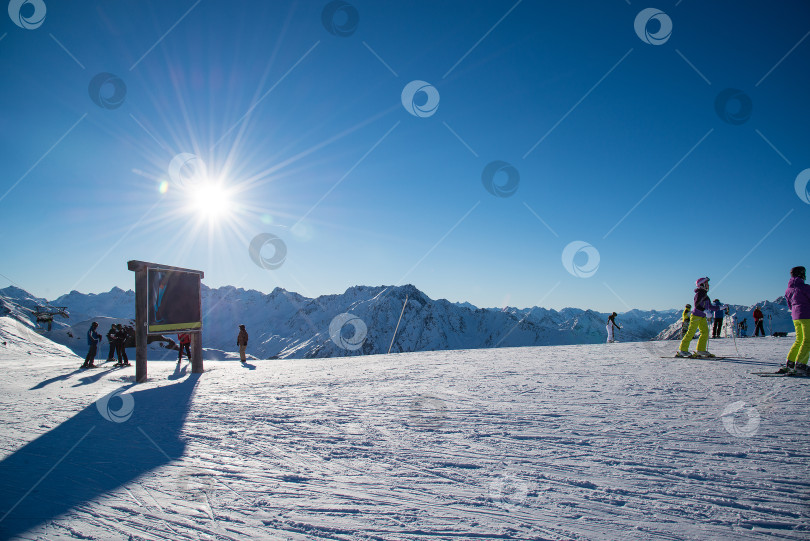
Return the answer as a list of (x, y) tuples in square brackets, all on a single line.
[(92, 454)]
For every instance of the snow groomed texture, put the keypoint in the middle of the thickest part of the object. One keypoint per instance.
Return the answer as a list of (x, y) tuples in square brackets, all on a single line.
[(513, 443)]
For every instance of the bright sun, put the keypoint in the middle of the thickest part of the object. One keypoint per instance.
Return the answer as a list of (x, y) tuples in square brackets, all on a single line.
[(211, 201)]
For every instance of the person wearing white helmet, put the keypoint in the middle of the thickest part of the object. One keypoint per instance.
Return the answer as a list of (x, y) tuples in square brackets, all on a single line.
[(698, 321)]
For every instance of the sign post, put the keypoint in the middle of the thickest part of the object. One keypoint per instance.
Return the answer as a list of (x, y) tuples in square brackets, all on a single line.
[(167, 299)]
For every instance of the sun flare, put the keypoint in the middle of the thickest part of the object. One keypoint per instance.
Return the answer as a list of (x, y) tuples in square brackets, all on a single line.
[(211, 201)]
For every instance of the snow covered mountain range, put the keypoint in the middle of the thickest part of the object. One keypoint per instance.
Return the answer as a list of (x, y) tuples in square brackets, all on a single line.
[(361, 321)]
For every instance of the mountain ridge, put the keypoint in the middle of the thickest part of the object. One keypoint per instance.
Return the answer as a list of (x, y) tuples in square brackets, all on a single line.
[(362, 320)]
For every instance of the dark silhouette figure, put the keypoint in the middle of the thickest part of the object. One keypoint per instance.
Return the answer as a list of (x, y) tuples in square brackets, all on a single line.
[(111, 340), (93, 338), (121, 336)]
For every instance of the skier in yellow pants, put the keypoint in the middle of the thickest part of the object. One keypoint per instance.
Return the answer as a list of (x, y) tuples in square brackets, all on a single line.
[(698, 322), (798, 299)]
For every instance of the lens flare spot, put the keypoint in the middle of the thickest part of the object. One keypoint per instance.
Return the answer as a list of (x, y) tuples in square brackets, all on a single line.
[(211, 201)]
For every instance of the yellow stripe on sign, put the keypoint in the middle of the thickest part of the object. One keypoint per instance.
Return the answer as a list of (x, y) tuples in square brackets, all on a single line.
[(175, 327)]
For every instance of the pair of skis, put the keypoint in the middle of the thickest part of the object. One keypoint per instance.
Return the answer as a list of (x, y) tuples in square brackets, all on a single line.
[(696, 356), (791, 374)]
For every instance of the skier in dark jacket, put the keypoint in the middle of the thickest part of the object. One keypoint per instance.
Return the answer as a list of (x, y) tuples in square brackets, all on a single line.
[(718, 320), (798, 300), (111, 340), (120, 344), (698, 321), (93, 338), (241, 343)]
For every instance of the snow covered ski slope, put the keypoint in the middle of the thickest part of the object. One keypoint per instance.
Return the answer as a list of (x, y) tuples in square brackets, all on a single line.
[(600, 442)]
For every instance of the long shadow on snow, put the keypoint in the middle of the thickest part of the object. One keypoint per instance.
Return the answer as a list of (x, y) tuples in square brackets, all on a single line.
[(178, 372), (89, 456), (47, 382), (96, 375)]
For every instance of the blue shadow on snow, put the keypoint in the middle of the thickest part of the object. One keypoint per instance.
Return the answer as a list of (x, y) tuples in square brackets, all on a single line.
[(89, 456)]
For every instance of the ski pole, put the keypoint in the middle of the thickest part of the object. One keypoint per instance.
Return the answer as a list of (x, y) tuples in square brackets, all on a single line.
[(733, 335)]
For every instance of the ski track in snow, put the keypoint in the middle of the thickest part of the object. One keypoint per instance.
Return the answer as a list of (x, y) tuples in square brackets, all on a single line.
[(597, 442)]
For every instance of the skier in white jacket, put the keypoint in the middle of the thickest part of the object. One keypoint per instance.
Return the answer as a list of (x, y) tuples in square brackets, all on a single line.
[(611, 324)]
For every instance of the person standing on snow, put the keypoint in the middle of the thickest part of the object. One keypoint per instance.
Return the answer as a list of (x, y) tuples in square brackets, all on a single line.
[(611, 324), (798, 300), (111, 340), (185, 342), (758, 317), (718, 320), (93, 338), (241, 341), (685, 323), (698, 321), (121, 346)]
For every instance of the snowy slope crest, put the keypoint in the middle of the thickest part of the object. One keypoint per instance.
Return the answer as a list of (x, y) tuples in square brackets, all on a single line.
[(19, 340)]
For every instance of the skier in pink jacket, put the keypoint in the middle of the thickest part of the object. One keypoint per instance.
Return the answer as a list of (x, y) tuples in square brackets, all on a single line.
[(698, 322), (798, 299)]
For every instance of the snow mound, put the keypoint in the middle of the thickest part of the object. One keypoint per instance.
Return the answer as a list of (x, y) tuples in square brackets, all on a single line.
[(19, 340)]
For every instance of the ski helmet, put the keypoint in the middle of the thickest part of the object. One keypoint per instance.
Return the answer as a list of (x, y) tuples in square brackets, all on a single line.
[(703, 283), (798, 272)]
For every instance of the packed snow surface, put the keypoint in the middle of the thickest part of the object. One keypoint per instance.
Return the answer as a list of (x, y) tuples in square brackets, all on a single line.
[(600, 442)]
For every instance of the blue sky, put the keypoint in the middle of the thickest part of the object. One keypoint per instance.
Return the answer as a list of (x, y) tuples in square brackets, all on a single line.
[(617, 144)]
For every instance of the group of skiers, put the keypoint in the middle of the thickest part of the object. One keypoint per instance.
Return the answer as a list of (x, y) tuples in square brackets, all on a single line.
[(117, 336), (716, 317), (694, 320), (798, 300)]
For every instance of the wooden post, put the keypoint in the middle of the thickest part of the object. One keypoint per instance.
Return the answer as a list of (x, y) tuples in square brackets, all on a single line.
[(196, 353), (140, 325)]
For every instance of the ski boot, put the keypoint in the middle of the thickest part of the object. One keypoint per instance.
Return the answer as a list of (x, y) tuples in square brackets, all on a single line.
[(788, 368), (704, 355), (682, 354), (801, 371)]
